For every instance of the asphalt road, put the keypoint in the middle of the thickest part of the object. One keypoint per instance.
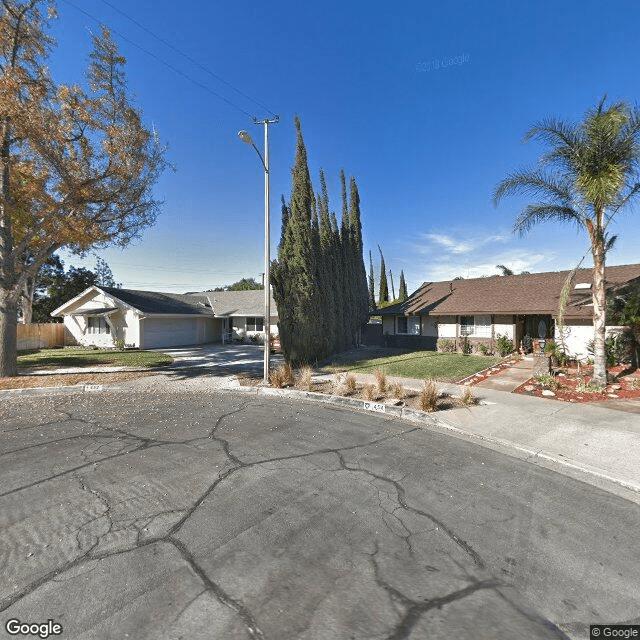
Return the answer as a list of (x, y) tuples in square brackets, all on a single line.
[(214, 515)]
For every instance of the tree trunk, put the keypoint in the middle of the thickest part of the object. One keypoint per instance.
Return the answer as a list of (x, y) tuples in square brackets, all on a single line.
[(8, 333), (599, 318), (26, 306)]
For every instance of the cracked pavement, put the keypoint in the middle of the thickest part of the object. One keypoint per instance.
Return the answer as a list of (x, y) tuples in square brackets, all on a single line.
[(214, 515)]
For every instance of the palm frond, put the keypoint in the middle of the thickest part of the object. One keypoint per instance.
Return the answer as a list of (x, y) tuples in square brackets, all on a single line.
[(555, 133), (588, 172), (534, 182), (609, 242), (623, 200), (545, 212)]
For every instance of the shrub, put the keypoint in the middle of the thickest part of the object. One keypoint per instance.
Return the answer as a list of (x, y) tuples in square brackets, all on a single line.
[(483, 349), (368, 391), (617, 348), (447, 346), (466, 346), (428, 398), (282, 376), (467, 398), (381, 380), (119, 343), (504, 345), (587, 387), (305, 378), (398, 392), (546, 380), (552, 349), (350, 383)]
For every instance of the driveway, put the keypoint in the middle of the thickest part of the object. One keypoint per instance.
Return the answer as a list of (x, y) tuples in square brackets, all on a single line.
[(227, 516), (225, 359)]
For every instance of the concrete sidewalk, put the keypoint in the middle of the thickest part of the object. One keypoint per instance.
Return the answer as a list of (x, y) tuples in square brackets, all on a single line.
[(591, 442)]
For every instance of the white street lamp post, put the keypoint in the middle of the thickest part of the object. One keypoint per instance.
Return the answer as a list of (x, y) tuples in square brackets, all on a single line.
[(245, 137)]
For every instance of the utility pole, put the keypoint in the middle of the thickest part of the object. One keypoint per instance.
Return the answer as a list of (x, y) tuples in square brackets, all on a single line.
[(245, 137)]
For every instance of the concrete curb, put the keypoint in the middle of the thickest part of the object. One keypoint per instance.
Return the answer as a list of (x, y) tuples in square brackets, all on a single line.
[(58, 391)]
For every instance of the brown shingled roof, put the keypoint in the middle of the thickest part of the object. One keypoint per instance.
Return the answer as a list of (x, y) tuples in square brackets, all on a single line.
[(536, 293)]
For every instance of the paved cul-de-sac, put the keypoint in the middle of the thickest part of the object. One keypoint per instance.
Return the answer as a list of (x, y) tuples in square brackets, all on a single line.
[(221, 515)]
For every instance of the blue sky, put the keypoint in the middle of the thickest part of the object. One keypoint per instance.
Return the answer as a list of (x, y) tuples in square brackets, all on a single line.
[(424, 103)]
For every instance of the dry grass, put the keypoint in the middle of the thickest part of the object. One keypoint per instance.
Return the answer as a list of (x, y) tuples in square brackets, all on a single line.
[(369, 392), (282, 376), (350, 383), (305, 378), (345, 385), (398, 392), (381, 380), (70, 379), (428, 398), (467, 398)]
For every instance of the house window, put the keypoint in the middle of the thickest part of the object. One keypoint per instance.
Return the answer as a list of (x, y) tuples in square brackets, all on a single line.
[(255, 324), (475, 326), (408, 325), (97, 324)]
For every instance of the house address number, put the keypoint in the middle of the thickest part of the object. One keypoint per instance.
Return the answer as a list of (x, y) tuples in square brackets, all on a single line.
[(374, 406)]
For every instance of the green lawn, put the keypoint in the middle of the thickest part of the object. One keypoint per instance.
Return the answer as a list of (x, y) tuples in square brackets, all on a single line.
[(87, 357), (449, 367)]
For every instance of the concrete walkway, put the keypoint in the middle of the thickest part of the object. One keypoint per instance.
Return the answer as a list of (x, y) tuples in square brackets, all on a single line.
[(510, 378)]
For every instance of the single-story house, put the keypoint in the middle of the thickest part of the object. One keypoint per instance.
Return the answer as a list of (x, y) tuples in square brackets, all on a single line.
[(478, 310), (100, 316)]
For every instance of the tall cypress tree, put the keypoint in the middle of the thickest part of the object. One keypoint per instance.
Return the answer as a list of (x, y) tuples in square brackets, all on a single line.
[(360, 299), (295, 273), (383, 295), (346, 269), (372, 285), (330, 269), (402, 289), (319, 279)]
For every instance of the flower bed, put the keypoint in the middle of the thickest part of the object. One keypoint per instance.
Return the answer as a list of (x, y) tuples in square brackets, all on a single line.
[(571, 384)]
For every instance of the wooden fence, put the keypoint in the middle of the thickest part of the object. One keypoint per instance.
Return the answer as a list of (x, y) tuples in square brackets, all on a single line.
[(43, 336)]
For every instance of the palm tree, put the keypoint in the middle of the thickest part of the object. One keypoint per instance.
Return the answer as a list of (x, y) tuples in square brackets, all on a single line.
[(588, 175), (505, 270)]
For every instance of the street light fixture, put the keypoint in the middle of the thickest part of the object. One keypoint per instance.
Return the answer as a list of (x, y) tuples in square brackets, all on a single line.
[(246, 138)]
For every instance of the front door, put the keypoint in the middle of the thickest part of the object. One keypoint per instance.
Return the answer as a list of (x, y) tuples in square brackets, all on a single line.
[(537, 327)]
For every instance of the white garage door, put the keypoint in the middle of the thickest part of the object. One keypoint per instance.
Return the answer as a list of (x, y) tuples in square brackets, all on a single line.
[(168, 332)]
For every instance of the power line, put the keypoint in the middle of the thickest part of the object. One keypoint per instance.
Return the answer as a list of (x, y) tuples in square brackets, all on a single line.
[(187, 57), (166, 64)]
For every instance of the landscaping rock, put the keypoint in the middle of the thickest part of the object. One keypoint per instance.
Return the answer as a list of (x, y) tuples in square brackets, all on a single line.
[(529, 387), (548, 393)]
